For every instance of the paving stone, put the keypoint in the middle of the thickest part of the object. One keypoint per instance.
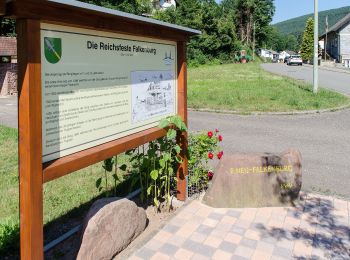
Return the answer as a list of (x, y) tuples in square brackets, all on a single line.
[(249, 243), (198, 237), (238, 257), (265, 247), (244, 251), (238, 230), (221, 255), (198, 248), (212, 241), (200, 257), (145, 253), (233, 238), (260, 255), (153, 245), (176, 240), (216, 216), (183, 254), (234, 213), (280, 251), (206, 230), (227, 247), (168, 249), (171, 228), (160, 256)]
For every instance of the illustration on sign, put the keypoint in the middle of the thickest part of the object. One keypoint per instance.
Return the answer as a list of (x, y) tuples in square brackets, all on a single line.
[(53, 49), (168, 60), (152, 94)]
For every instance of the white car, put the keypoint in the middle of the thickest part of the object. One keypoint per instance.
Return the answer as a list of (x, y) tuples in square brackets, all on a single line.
[(295, 59)]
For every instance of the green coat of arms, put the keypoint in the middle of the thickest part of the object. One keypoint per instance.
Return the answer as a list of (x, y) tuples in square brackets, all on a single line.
[(53, 49)]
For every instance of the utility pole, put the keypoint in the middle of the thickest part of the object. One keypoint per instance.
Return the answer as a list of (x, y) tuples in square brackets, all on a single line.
[(315, 89), (254, 41), (325, 44)]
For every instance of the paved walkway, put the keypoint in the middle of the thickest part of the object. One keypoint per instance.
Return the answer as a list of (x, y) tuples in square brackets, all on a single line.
[(318, 228)]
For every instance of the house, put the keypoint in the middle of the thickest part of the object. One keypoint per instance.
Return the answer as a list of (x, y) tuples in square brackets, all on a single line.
[(268, 54), (338, 41), (8, 66), (285, 54), (164, 4)]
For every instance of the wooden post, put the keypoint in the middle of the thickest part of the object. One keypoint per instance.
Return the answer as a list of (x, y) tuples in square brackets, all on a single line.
[(182, 111), (2, 7), (30, 147)]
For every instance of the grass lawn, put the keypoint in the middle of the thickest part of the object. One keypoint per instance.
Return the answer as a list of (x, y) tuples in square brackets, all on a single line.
[(67, 198), (247, 88)]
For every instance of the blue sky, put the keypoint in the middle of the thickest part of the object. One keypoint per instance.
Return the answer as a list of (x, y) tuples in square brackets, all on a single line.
[(286, 9)]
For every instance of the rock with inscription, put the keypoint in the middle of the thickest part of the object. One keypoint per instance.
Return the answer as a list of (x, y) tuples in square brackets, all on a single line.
[(109, 227), (260, 180)]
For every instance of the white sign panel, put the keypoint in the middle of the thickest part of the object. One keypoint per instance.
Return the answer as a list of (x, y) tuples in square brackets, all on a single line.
[(98, 87)]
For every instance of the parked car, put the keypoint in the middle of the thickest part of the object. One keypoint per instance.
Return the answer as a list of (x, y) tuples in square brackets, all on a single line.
[(295, 59)]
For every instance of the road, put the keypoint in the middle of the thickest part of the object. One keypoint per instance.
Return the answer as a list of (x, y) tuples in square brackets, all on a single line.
[(8, 111), (323, 140), (338, 81)]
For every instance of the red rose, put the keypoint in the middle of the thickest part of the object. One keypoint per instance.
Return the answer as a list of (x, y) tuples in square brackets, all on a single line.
[(210, 134), (217, 130), (220, 138), (210, 155), (210, 175), (220, 154)]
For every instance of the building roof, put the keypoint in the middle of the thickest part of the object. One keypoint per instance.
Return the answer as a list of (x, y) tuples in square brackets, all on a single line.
[(8, 46), (339, 25)]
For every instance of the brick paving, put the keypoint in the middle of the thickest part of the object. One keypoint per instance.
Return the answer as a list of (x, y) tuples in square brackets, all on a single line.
[(317, 228)]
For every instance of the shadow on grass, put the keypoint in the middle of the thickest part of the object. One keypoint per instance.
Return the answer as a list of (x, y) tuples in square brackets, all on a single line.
[(331, 238)]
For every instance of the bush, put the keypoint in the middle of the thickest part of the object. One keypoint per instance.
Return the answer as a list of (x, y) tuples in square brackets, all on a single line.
[(202, 148), (9, 238)]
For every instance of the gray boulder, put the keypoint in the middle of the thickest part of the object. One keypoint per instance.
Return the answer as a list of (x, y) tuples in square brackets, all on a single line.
[(261, 180), (109, 227)]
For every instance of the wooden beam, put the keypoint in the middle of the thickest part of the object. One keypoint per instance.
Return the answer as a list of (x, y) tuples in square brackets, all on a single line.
[(65, 165), (182, 111), (30, 136), (2, 7)]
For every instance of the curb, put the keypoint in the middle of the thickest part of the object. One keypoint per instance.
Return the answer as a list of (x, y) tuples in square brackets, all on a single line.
[(257, 113), (330, 69)]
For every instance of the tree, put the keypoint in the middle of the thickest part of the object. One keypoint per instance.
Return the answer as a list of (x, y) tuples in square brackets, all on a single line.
[(250, 12), (308, 41)]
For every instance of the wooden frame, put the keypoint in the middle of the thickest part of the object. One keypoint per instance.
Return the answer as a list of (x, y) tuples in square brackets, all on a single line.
[(2, 7), (33, 173)]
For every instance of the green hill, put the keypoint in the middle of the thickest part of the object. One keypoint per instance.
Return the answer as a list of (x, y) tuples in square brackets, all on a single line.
[(296, 25)]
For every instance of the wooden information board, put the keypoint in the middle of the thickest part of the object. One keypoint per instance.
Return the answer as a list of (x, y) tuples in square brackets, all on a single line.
[(93, 83)]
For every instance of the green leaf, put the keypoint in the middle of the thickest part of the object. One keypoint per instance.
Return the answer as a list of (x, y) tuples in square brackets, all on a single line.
[(154, 175), (162, 163), (177, 121), (149, 189), (98, 182), (177, 149), (171, 170), (156, 202), (163, 123), (171, 134), (123, 167), (183, 127)]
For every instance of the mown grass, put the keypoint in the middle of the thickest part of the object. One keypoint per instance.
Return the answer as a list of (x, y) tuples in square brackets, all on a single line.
[(247, 88), (65, 200)]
